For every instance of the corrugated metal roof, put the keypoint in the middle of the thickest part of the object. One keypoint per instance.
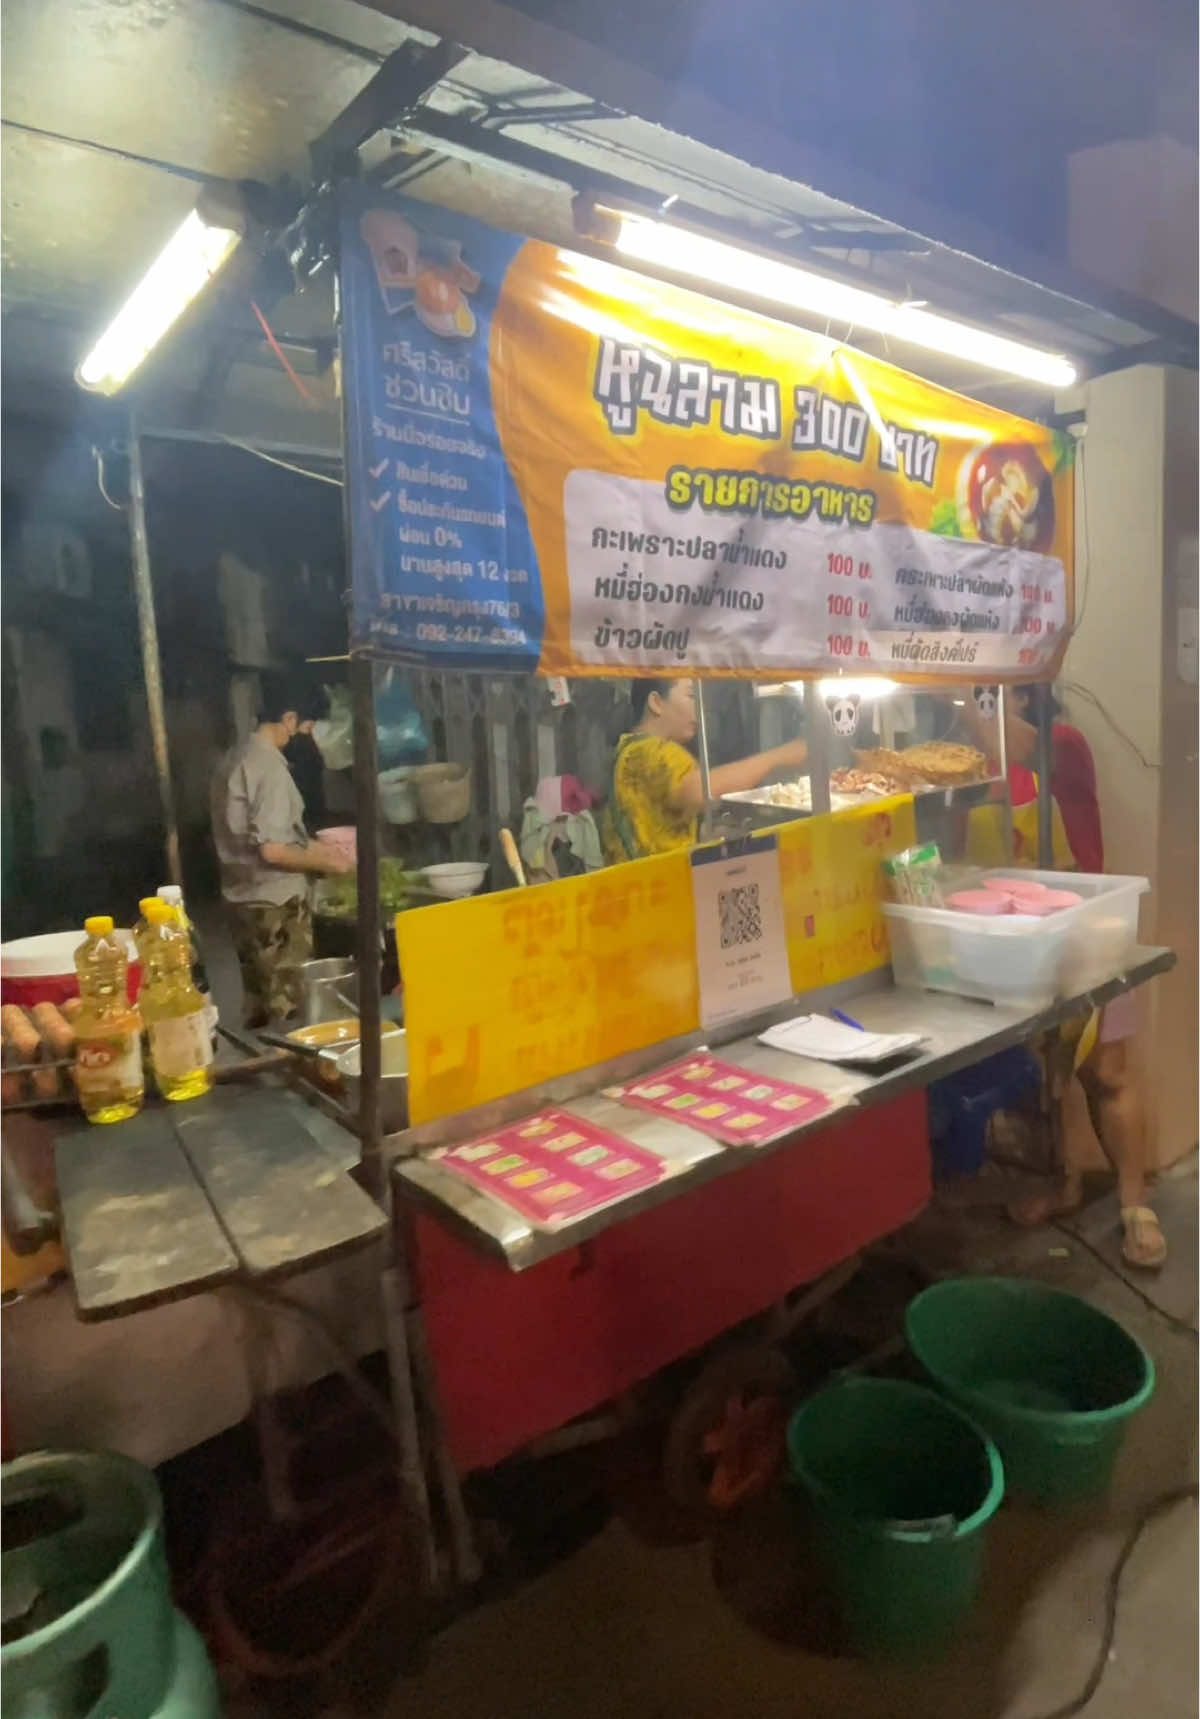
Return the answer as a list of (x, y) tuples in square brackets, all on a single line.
[(229, 88)]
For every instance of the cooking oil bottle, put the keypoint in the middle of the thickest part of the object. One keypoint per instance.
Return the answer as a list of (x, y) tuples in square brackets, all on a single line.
[(108, 1029), (175, 1013), (172, 894)]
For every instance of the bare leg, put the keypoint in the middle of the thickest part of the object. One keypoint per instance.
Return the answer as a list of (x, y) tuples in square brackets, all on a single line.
[(1067, 1193), (1111, 1080)]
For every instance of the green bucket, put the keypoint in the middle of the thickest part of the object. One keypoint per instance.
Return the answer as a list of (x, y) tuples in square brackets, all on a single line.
[(89, 1628), (1053, 1380), (902, 1485)]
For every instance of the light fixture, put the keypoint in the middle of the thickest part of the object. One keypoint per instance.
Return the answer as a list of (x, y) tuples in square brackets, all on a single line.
[(869, 688), (193, 254), (681, 251)]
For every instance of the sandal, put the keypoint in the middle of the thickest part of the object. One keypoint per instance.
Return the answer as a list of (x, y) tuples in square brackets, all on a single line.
[(1144, 1244)]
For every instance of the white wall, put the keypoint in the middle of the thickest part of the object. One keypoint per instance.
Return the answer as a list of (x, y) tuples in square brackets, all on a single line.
[(1135, 530)]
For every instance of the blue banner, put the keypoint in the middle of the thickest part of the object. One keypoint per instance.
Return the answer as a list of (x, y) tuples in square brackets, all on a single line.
[(442, 562)]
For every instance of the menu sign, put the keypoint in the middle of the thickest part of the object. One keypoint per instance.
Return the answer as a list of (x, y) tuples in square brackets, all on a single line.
[(557, 464)]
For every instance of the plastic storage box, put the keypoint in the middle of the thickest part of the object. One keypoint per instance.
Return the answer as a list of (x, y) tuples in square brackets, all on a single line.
[(1014, 959)]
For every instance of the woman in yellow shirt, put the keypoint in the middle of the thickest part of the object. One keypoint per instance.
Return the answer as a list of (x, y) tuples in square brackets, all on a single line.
[(655, 796)]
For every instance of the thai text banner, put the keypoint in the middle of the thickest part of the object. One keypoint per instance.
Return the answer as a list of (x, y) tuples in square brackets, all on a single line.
[(559, 465)]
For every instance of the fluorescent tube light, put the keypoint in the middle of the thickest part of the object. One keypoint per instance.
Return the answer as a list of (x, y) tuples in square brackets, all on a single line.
[(869, 688), (680, 251), (182, 269)]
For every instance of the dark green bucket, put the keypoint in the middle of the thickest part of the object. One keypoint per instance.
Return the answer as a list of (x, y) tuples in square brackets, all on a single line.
[(1053, 1380), (903, 1486)]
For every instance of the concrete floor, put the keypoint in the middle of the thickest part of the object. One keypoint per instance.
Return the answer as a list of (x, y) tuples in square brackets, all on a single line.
[(708, 1631)]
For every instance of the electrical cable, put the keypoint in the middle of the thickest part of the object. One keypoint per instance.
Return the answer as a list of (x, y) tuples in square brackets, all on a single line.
[(174, 167), (284, 465), (117, 507), (282, 356), (1112, 1595), (1086, 692)]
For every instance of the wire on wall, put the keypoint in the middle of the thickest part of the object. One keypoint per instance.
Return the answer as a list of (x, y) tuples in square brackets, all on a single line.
[(284, 465), (297, 384)]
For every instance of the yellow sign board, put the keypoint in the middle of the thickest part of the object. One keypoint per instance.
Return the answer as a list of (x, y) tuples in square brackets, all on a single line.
[(507, 991), (832, 887)]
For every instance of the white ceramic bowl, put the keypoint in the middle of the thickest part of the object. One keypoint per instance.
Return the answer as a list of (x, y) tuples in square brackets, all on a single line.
[(457, 879)]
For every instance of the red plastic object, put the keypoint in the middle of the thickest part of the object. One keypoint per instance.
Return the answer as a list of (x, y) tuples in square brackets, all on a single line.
[(518, 1354), (42, 970)]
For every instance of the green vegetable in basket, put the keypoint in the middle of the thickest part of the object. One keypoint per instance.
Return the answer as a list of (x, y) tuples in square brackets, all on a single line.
[(338, 897)]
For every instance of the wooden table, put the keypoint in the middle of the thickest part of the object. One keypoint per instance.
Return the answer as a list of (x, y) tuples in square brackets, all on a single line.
[(247, 1182)]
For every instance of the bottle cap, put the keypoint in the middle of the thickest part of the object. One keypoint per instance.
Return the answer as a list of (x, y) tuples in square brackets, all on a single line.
[(99, 925), (171, 894), (156, 912), (145, 904)]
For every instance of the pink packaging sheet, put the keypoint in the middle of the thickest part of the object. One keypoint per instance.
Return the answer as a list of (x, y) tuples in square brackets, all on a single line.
[(729, 1104), (553, 1167)]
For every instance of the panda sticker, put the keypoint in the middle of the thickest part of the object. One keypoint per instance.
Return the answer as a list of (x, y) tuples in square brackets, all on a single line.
[(843, 713), (987, 701)]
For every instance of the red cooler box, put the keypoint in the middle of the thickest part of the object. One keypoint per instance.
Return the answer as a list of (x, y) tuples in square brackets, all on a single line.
[(42, 969)]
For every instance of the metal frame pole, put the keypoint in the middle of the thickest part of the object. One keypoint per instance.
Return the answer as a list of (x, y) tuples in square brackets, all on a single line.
[(1010, 841), (366, 817), (706, 816), (143, 586), (1045, 770)]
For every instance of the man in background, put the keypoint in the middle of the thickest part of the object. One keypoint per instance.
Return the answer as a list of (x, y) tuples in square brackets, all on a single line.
[(267, 857)]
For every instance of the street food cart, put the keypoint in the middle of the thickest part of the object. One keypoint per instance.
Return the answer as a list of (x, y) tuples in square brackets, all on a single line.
[(559, 465)]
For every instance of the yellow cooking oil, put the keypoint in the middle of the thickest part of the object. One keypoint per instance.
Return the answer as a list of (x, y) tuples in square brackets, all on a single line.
[(175, 1013), (108, 1029)]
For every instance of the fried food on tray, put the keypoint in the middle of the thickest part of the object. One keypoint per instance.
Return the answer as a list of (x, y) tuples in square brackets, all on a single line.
[(946, 762), (930, 764)]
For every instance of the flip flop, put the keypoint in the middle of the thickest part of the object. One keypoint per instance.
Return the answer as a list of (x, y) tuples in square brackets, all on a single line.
[(1144, 1244)]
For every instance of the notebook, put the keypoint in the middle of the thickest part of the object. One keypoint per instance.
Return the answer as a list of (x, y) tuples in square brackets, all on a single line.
[(825, 1040)]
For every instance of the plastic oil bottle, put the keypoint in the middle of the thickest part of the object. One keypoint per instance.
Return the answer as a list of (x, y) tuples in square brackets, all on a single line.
[(108, 1029), (175, 1013), (173, 896)]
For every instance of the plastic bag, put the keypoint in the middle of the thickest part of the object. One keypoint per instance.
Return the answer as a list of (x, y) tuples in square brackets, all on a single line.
[(335, 734), (402, 736)]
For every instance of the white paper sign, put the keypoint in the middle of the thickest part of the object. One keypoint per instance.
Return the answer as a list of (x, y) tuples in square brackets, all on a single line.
[(741, 945), (658, 588)]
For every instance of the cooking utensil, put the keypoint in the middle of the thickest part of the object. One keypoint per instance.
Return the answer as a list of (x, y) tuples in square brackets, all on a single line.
[(393, 1084), (322, 983), (509, 849)]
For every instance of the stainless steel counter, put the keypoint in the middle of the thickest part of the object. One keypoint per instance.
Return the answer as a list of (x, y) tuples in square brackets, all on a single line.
[(959, 1032)]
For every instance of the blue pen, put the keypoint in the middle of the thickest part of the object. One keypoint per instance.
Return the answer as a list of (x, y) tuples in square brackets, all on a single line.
[(847, 1020)]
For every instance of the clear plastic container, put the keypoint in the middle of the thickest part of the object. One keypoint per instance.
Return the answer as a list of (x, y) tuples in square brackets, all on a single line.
[(1015, 959)]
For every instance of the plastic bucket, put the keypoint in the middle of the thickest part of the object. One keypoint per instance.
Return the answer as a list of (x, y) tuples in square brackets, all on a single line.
[(90, 1631), (1053, 1380), (902, 1485)]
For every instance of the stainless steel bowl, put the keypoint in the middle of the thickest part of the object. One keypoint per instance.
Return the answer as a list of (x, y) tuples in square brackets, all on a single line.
[(393, 1099)]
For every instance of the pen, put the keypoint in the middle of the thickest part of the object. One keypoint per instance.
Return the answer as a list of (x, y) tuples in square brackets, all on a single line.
[(847, 1020)]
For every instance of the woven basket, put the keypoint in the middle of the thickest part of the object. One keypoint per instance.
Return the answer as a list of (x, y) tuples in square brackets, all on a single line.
[(444, 792)]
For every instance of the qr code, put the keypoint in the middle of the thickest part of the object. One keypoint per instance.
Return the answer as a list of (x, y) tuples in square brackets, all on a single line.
[(740, 913)]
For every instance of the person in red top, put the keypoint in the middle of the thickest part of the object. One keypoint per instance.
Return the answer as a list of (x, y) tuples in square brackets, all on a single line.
[(1072, 777), (1105, 1089)]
